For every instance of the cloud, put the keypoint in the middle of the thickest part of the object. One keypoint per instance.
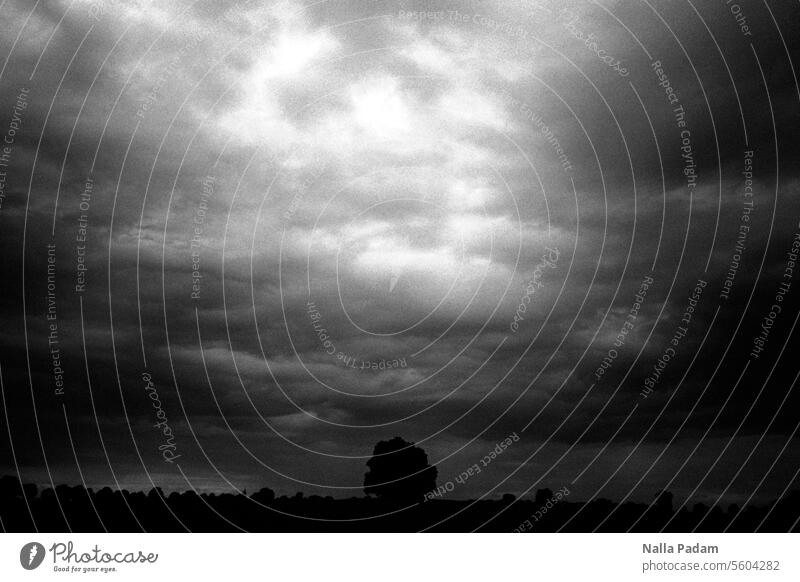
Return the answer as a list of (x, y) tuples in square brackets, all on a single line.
[(406, 178)]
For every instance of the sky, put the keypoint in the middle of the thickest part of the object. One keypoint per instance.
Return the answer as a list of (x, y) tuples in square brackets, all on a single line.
[(243, 242)]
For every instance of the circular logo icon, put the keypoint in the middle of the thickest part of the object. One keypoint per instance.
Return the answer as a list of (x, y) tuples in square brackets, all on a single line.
[(31, 555)]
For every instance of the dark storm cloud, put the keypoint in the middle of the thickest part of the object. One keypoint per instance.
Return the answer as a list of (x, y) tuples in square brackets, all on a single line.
[(279, 141)]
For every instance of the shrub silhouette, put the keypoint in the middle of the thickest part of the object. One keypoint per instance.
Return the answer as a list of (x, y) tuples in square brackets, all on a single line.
[(264, 496), (399, 473)]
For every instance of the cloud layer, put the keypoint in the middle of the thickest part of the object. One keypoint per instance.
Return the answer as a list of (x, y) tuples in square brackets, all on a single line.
[(319, 227)]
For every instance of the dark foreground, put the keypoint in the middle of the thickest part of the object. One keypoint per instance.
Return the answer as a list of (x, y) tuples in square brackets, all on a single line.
[(25, 508)]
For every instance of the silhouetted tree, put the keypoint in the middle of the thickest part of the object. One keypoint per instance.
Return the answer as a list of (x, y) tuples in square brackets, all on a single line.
[(264, 496), (30, 490), (399, 472)]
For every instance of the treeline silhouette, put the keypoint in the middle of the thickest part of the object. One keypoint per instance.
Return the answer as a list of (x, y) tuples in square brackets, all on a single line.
[(401, 495), (24, 508)]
